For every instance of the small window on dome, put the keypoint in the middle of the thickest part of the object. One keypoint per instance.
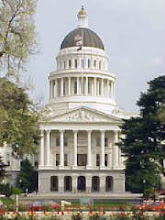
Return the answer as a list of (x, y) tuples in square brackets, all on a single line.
[(94, 63), (64, 64), (75, 87), (75, 63), (100, 65), (89, 63), (70, 63)]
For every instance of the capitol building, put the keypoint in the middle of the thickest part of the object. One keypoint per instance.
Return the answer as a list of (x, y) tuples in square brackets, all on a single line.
[(81, 124)]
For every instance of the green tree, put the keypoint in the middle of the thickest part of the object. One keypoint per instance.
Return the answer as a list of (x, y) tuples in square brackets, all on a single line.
[(17, 34), (2, 169), (143, 141), (27, 177), (18, 119)]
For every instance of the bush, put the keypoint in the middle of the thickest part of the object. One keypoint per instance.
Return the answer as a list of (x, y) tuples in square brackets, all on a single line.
[(16, 191), (5, 189)]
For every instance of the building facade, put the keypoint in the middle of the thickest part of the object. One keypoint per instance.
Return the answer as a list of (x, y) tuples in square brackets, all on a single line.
[(80, 127)]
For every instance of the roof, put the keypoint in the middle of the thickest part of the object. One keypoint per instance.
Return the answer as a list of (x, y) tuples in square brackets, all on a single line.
[(82, 37)]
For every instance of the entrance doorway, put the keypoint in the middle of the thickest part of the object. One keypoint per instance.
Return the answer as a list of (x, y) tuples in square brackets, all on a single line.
[(109, 183), (81, 184), (95, 184), (68, 183)]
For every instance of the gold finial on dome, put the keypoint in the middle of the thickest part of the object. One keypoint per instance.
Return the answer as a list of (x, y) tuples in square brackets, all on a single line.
[(82, 18), (82, 12)]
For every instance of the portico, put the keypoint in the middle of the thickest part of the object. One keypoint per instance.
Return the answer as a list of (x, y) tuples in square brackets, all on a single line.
[(111, 150)]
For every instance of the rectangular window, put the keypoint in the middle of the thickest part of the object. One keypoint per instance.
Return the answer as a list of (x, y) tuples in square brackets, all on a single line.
[(57, 141), (57, 159), (98, 141), (106, 160), (70, 63), (65, 141), (82, 159), (106, 142), (65, 159), (97, 160), (75, 63)]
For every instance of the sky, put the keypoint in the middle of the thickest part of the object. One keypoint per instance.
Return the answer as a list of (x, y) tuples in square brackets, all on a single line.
[(133, 33)]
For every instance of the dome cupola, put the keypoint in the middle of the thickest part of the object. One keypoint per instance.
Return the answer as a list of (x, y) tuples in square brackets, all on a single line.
[(82, 36)]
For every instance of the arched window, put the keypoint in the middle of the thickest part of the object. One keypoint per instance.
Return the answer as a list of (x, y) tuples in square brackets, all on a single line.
[(54, 183), (109, 183)]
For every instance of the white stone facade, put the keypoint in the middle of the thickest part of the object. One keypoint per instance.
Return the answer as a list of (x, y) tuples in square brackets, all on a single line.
[(81, 125)]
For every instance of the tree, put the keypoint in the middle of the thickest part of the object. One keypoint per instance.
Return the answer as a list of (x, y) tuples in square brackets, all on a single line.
[(27, 177), (2, 170), (17, 34), (143, 142), (18, 119)]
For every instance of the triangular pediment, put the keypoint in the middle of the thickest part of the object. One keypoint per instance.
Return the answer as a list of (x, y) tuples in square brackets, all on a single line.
[(84, 114)]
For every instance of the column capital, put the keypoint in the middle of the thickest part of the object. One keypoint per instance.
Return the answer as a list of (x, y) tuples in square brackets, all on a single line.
[(42, 132), (61, 131), (102, 131), (89, 131), (75, 131), (48, 131)]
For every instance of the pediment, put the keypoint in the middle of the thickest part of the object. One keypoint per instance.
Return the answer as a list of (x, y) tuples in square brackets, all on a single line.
[(82, 115)]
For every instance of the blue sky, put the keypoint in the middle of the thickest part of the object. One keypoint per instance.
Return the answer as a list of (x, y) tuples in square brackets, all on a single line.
[(132, 31)]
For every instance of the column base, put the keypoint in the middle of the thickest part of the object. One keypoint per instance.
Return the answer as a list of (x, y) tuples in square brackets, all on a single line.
[(74, 167), (88, 167), (61, 167)]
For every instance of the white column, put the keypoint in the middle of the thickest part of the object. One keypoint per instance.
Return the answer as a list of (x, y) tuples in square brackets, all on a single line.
[(102, 156), (61, 149), (75, 149), (78, 86), (102, 87), (115, 150), (110, 165), (89, 160), (48, 147), (50, 89), (114, 90), (111, 90), (69, 86), (62, 87), (107, 88), (95, 86), (42, 148), (86, 86), (53, 89)]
